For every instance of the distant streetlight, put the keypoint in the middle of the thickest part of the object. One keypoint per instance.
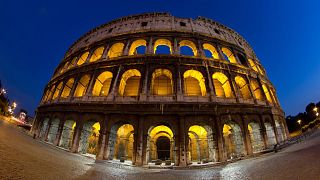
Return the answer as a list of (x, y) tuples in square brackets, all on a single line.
[(315, 109), (299, 121), (3, 91)]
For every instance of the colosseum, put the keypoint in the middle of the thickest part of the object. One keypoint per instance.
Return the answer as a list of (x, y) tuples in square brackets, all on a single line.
[(154, 88)]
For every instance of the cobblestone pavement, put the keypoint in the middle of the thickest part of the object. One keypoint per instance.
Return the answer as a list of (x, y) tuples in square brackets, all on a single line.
[(22, 157)]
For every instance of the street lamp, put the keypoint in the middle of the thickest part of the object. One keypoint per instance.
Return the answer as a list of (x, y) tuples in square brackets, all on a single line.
[(3, 91)]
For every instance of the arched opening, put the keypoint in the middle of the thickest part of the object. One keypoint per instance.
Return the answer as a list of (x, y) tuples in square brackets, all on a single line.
[(280, 131), (67, 88), (102, 85), (274, 98), (130, 83), (188, 48), (256, 89), (65, 67), (96, 54), (50, 93), (162, 46), (160, 144), (82, 86), (72, 63), (222, 85), (115, 50), (210, 51), (89, 138), (57, 91), (228, 55), (53, 130), (242, 60), (233, 141), (162, 84), (201, 148), (67, 134), (82, 58), (253, 65), (255, 137), (270, 134), (138, 47), (243, 87), (44, 127), (194, 83), (266, 92)]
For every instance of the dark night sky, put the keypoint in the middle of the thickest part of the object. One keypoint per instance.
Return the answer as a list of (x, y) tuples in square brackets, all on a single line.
[(34, 36)]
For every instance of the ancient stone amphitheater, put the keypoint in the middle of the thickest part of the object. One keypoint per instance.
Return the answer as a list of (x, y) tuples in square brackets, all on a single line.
[(154, 88)]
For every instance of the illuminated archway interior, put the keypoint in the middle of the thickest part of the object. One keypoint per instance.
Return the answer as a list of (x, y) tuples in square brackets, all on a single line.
[(124, 142), (130, 82), (83, 58), (232, 136), (194, 83), (162, 83), (243, 87), (256, 89), (82, 86), (102, 85), (57, 91), (160, 143), (266, 92), (96, 54), (115, 50), (222, 85), (201, 147)]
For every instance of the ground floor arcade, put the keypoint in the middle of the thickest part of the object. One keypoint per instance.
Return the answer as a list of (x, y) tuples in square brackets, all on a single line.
[(178, 139)]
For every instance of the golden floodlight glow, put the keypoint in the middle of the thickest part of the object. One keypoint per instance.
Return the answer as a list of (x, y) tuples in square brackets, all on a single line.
[(197, 75), (135, 45), (125, 76), (189, 44), (226, 130), (96, 54), (102, 85), (229, 54), (212, 49), (83, 58), (115, 50), (162, 42)]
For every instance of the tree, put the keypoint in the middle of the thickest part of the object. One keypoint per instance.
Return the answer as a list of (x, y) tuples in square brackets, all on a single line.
[(311, 114)]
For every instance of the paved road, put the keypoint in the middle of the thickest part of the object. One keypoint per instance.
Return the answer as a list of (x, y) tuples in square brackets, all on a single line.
[(22, 157)]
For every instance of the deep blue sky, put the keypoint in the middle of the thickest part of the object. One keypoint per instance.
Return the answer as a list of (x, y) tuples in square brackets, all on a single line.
[(34, 36)]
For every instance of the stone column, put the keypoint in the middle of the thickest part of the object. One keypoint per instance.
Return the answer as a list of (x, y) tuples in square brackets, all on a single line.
[(150, 49), (126, 48), (220, 53), (182, 142), (200, 50), (263, 93), (61, 90), (246, 135), (102, 139), (274, 128), (210, 82), (222, 156), (74, 86), (234, 87), (76, 137), (113, 92), (140, 143), (251, 90), (179, 84), (263, 131), (105, 52), (91, 84), (144, 94), (59, 133), (176, 150), (175, 48)]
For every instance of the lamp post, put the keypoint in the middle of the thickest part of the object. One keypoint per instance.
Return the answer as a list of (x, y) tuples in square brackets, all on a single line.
[(299, 122), (2, 91), (315, 109)]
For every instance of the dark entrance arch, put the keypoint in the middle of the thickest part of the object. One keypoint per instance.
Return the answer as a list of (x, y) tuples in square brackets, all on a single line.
[(163, 148)]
